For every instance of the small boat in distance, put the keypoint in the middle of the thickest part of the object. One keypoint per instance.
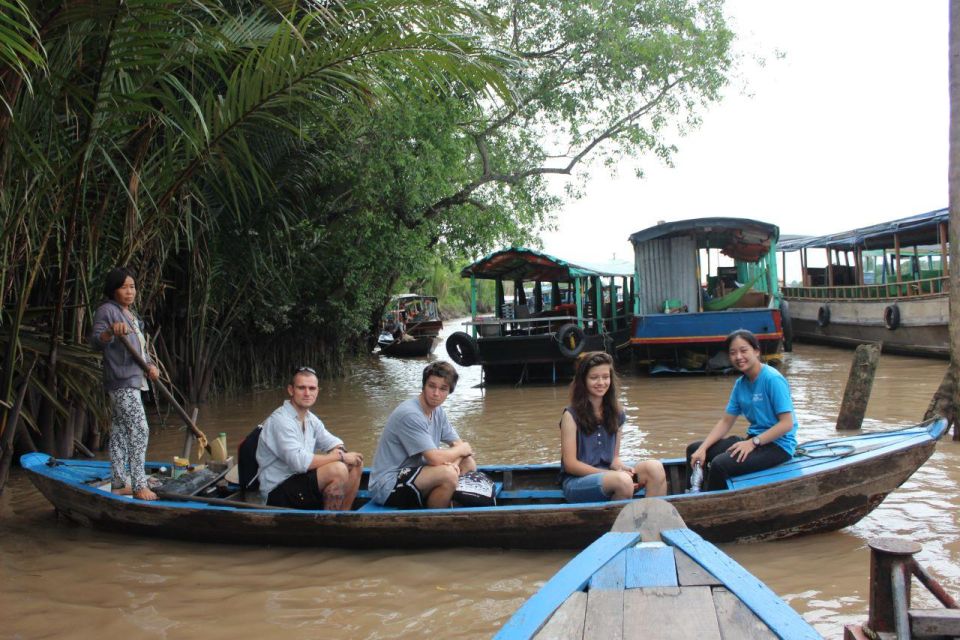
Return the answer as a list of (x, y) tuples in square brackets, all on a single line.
[(829, 484), (688, 302), (571, 308), (886, 283), (411, 326), (651, 577)]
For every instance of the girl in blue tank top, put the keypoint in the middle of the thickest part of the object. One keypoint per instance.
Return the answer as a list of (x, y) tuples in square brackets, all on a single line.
[(591, 469)]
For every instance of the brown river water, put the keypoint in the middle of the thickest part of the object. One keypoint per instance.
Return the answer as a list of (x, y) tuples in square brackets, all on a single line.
[(59, 580)]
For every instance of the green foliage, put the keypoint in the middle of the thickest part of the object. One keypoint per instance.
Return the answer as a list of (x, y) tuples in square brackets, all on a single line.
[(274, 170)]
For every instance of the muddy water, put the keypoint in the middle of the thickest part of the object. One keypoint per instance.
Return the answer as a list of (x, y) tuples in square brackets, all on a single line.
[(58, 580)]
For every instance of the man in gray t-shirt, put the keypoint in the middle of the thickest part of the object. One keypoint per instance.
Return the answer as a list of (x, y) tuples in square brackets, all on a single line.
[(410, 469)]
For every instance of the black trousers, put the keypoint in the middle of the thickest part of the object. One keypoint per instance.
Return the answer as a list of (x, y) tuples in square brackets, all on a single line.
[(721, 465)]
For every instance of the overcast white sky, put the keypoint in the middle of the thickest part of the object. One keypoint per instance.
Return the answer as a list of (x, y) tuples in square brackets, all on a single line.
[(848, 129)]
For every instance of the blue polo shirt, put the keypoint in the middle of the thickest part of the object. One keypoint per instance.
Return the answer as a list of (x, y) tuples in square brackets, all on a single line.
[(761, 401)]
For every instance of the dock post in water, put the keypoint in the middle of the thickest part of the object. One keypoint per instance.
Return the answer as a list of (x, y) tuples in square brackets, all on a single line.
[(859, 385), (891, 568)]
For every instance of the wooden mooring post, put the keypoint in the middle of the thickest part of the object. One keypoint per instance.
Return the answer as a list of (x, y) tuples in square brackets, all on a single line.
[(892, 566), (859, 385)]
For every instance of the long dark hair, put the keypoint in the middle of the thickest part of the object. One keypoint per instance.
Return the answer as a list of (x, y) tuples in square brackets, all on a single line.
[(115, 279), (580, 398)]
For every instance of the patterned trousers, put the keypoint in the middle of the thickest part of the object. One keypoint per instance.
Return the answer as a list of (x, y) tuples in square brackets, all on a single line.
[(128, 439)]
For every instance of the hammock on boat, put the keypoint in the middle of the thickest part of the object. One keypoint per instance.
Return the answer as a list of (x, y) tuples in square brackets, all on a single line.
[(732, 298)]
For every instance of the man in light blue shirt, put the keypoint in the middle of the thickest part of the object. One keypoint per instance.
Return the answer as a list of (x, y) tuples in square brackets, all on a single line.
[(292, 472)]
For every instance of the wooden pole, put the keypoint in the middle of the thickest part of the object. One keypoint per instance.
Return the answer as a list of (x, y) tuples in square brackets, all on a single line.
[(859, 385), (135, 353)]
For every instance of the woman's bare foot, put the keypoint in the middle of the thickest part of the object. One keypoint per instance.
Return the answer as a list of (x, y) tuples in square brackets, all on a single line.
[(145, 494), (123, 491)]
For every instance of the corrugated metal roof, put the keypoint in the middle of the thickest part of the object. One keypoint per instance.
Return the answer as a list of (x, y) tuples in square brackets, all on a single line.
[(920, 229), (716, 231), (520, 263)]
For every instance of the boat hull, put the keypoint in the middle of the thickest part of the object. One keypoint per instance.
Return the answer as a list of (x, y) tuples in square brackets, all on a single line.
[(805, 495), (677, 338), (923, 328), (521, 358), (418, 347)]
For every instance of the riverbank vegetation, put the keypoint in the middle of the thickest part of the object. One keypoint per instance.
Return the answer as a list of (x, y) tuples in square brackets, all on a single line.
[(273, 169)]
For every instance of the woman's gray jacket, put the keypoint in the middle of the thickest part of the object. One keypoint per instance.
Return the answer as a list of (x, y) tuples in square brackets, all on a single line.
[(119, 368)]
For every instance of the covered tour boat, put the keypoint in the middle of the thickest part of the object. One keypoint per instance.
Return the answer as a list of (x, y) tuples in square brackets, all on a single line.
[(688, 301), (887, 283), (411, 326), (547, 311)]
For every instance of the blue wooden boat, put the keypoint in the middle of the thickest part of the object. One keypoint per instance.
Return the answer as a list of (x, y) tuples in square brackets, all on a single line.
[(658, 580), (828, 485), (687, 303)]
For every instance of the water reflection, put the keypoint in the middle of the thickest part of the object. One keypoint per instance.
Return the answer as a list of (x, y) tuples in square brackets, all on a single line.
[(160, 589)]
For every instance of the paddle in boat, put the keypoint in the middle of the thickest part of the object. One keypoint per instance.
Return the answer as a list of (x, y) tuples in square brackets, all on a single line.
[(653, 578), (827, 485)]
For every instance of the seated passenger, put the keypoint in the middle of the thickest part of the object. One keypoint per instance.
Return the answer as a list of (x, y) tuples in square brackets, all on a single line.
[(410, 469), (590, 434), (762, 396), (292, 473)]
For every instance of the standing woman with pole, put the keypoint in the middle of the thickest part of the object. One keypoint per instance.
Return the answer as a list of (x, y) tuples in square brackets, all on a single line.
[(124, 381)]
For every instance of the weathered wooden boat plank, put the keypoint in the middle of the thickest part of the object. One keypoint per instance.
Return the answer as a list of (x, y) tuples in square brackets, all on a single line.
[(690, 574), (612, 575), (567, 623), (753, 593), (670, 613), (736, 620), (604, 615), (651, 567), (570, 579)]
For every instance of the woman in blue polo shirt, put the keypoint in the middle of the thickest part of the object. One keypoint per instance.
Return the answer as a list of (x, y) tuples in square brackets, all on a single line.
[(762, 396)]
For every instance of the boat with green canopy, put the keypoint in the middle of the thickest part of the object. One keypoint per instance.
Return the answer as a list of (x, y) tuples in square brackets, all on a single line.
[(546, 312)]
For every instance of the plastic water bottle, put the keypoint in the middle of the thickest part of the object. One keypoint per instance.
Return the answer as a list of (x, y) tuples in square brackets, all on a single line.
[(696, 478)]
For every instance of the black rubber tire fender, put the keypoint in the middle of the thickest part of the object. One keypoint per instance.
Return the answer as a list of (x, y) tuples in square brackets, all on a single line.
[(786, 324), (891, 317), (823, 316), (462, 349), (571, 340)]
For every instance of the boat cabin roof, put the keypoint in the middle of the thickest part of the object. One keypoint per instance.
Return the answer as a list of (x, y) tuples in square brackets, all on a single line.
[(520, 263), (920, 229), (739, 238)]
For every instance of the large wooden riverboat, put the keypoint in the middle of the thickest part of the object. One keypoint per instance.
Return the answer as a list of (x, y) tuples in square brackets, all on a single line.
[(571, 308), (683, 318), (829, 484), (885, 283), (652, 577)]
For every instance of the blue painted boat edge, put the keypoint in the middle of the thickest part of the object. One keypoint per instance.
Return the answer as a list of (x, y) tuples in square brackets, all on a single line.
[(574, 576), (786, 623)]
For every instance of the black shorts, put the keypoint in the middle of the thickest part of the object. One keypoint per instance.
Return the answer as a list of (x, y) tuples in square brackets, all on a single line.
[(405, 494), (299, 491)]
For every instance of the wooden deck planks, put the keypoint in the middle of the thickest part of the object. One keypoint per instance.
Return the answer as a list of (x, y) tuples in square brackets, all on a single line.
[(567, 622), (736, 620), (604, 618), (767, 605), (690, 574), (611, 575), (670, 613), (651, 567)]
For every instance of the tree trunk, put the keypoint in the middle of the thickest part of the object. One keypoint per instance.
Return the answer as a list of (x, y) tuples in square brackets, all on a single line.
[(953, 174)]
